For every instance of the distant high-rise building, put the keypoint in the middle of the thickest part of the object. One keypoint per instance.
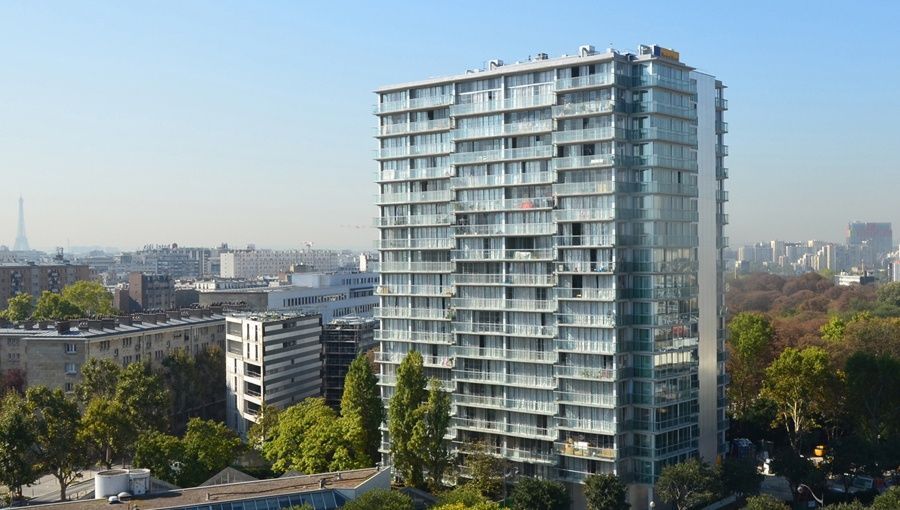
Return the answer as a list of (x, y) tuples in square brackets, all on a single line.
[(150, 292), (21, 243), (877, 235), (551, 238), (34, 279), (342, 341)]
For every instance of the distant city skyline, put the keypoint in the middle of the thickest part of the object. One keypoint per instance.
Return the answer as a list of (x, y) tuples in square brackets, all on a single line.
[(207, 122)]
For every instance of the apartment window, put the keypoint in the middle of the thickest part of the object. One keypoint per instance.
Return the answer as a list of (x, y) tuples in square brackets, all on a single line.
[(70, 387), (71, 368), (71, 348)]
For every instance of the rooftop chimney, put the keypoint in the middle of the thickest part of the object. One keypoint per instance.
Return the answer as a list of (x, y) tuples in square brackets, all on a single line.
[(63, 326)]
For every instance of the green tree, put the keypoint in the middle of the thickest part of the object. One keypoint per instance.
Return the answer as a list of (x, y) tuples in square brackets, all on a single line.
[(19, 307), (55, 422), (144, 398), (99, 378), (464, 495), (54, 307), (765, 502), (535, 494), (362, 399), (873, 402), (740, 476), (105, 429), (605, 492), (265, 427), (833, 330), (90, 297), (750, 343), (17, 437), (403, 414), (889, 294), (432, 422), (304, 506), (380, 499), (212, 444), (848, 505), (688, 484), (165, 456), (485, 470), (801, 384), (13, 380), (888, 500), (481, 505)]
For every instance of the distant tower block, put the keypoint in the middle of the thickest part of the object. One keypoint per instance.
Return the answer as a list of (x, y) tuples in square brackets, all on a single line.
[(21, 240)]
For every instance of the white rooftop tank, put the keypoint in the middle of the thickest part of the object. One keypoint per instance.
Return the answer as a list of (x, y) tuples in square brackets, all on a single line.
[(111, 482), (140, 481)]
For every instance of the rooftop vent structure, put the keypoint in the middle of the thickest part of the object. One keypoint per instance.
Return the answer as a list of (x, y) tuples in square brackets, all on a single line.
[(494, 64), (586, 50)]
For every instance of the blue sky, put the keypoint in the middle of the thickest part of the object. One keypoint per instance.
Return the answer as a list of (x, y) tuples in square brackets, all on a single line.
[(201, 122)]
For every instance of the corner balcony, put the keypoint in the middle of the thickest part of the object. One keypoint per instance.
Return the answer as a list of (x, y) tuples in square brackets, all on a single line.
[(487, 181), (658, 240), (507, 229), (586, 346), (721, 104), (587, 426), (412, 174), (390, 107), (683, 112), (584, 188), (667, 135), (415, 267), (588, 135), (527, 381), (663, 188), (585, 267), (586, 294), (504, 255), (582, 449), (584, 108), (505, 354), (440, 243), (654, 80), (593, 161), (664, 162), (425, 337), (579, 215), (590, 80), (424, 126), (510, 204), (585, 373), (413, 197), (579, 319), (396, 312), (585, 241), (721, 150), (657, 214), (516, 405)]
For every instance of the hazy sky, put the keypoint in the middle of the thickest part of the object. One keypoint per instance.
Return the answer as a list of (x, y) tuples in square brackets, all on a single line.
[(125, 123)]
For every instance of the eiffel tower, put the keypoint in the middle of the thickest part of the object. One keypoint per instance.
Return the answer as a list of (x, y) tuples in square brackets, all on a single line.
[(21, 240)]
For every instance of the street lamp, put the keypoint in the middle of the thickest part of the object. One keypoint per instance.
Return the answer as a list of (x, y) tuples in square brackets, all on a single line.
[(652, 505), (821, 501)]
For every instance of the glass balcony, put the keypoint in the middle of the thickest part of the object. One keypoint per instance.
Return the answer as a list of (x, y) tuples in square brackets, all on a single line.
[(586, 294), (663, 134), (414, 127), (656, 214), (475, 108), (508, 229), (431, 101), (390, 106), (391, 380), (722, 219), (505, 354), (684, 112), (531, 280), (540, 151), (721, 127), (519, 128), (517, 405), (501, 254), (586, 241), (721, 150), (466, 158), (426, 337), (415, 267), (413, 174), (483, 181), (585, 373), (582, 449), (528, 101), (721, 104), (657, 187), (414, 290), (520, 455), (653, 80), (581, 267), (586, 346), (665, 293), (587, 135), (594, 161), (512, 204), (524, 305), (439, 243), (590, 80), (397, 312), (507, 329), (584, 108), (413, 220), (430, 148), (429, 361), (602, 321), (392, 152), (586, 399), (414, 197), (721, 173), (664, 161), (530, 431), (485, 131), (588, 426), (528, 381), (584, 188), (562, 215), (722, 195)]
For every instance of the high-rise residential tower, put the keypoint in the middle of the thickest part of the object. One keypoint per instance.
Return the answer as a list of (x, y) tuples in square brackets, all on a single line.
[(21, 243), (551, 238)]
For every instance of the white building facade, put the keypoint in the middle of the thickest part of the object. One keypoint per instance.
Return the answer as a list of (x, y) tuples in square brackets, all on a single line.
[(270, 358), (551, 239)]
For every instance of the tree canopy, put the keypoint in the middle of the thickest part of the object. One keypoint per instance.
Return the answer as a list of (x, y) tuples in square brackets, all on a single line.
[(605, 492), (17, 435), (687, 484), (19, 307), (55, 419), (534, 494), (362, 400), (409, 394), (90, 297), (381, 499), (53, 306)]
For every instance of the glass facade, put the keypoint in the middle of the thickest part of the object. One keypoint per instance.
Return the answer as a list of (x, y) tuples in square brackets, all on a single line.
[(539, 246)]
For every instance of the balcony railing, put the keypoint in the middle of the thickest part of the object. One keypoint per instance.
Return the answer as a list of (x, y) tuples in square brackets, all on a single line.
[(657, 214), (505, 354), (391, 380), (584, 188), (721, 150), (602, 241), (525, 305), (590, 426), (501, 254), (721, 104), (482, 181), (584, 108), (537, 126), (528, 101), (438, 243), (391, 106), (586, 399), (529, 381), (413, 220), (539, 151), (664, 161), (593, 161), (428, 361), (586, 373), (653, 80), (466, 158), (586, 346), (586, 294), (474, 108), (684, 112), (508, 229), (414, 197), (511, 204), (580, 450), (507, 329), (579, 215), (658, 240), (413, 174), (413, 290), (668, 135), (586, 267), (414, 127), (396, 312), (536, 280), (518, 404), (590, 80), (429, 337), (506, 428), (431, 101), (577, 319), (430, 148), (415, 267), (584, 135)]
